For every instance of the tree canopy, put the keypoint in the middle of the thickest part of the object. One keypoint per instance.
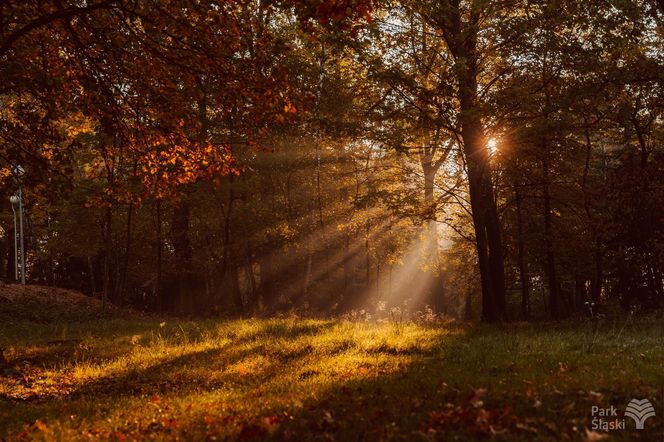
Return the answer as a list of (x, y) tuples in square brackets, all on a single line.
[(493, 159)]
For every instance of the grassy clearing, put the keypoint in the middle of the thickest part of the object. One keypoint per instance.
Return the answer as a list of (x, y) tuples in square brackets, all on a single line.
[(311, 379)]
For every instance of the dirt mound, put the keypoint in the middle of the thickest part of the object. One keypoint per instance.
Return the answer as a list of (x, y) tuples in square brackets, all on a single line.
[(49, 304)]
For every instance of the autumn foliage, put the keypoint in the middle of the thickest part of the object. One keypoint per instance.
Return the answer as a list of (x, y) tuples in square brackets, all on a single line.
[(153, 81)]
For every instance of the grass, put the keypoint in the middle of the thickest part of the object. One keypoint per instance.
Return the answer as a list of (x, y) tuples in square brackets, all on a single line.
[(301, 379)]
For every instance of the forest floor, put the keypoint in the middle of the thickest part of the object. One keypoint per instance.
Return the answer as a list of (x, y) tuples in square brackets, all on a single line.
[(124, 378)]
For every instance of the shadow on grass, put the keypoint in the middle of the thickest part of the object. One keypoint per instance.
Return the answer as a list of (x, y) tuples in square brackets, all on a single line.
[(498, 382), (508, 383)]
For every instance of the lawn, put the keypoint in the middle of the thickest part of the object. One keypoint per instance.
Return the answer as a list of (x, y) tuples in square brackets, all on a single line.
[(298, 379)]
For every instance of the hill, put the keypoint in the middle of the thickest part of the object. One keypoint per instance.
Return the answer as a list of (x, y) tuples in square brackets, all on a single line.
[(45, 305)]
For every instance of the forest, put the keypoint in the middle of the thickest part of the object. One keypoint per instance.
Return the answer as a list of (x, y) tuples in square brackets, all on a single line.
[(321, 173), (498, 159)]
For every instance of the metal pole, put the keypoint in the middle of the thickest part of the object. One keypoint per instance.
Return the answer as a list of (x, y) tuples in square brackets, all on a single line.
[(15, 245), (20, 217)]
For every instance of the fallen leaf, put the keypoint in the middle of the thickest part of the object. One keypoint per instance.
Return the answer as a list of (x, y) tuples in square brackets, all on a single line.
[(592, 436), (328, 417), (595, 395), (527, 428)]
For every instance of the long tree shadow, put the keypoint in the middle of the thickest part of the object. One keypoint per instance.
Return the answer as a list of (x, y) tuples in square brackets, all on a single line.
[(485, 383), (511, 383), (52, 353), (182, 374)]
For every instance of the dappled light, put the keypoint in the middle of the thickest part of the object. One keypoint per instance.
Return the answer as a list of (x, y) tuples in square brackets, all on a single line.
[(339, 220), (281, 377)]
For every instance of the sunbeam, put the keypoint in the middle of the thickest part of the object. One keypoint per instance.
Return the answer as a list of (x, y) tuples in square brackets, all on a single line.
[(336, 261)]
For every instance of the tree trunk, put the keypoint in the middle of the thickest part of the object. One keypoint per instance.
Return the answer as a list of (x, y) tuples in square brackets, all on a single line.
[(521, 258), (597, 279), (235, 288), (157, 285), (347, 263), (91, 270), (367, 256), (183, 253), (430, 169), (482, 198), (579, 292), (119, 292), (468, 306), (480, 182), (252, 300), (307, 277), (122, 284), (268, 286), (555, 307), (108, 248), (598, 276)]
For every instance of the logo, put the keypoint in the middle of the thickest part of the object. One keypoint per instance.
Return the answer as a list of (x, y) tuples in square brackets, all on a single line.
[(640, 410), (606, 419)]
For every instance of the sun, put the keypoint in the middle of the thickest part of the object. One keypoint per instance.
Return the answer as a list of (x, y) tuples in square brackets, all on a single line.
[(492, 145)]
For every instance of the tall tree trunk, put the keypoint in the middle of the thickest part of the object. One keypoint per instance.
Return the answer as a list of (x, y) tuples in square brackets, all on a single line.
[(183, 293), (235, 288), (91, 270), (268, 281), (228, 252), (367, 256), (430, 169), (122, 282), (157, 285), (521, 257), (555, 305), (579, 291), (183, 253), (108, 222), (348, 277), (108, 250), (468, 305), (120, 292), (597, 279), (378, 277), (463, 44), (307, 276), (252, 298), (658, 280)]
